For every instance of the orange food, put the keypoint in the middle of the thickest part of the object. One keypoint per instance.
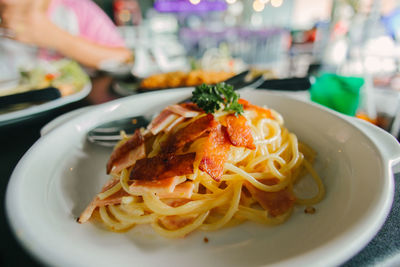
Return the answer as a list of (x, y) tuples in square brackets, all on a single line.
[(364, 116), (262, 112), (163, 166), (277, 203), (191, 132), (127, 153), (97, 202), (184, 79), (215, 153), (239, 131)]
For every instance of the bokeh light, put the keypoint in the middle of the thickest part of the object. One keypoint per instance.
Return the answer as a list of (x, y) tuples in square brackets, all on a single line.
[(276, 3), (258, 6)]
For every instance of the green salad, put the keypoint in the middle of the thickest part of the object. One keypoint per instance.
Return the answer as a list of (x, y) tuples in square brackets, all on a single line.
[(66, 75)]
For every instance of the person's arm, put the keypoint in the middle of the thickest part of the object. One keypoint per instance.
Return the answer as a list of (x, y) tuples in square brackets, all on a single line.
[(84, 51), (31, 25)]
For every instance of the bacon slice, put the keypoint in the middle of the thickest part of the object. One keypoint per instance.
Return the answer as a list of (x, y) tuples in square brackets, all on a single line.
[(174, 222), (191, 132), (155, 186), (191, 106), (260, 110), (215, 153), (183, 190), (97, 202), (173, 124), (239, 131), (127, 154), (182, 111), (170, 114), (160, 122), (276, 203), (167, 188), (244, 102), (163, 166)]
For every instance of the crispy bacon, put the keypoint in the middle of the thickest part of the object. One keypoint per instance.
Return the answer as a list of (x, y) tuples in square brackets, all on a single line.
[(171, 188), (239, 131), (174, 222), (260, 110), (244, 102), (215, 153), (183, 190), (276, 203), (171, 114), (191, 106), (156, 186), (182, 111), (173, 124), (127, 154), (163, 166), (97, 202), (160, 122), (190, 133)]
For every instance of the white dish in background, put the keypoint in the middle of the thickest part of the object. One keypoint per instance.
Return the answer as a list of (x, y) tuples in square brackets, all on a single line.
[(354, 159), (23, 114)]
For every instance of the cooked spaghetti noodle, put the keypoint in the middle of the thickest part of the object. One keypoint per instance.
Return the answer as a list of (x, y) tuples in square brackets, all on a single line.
[(189, 170)]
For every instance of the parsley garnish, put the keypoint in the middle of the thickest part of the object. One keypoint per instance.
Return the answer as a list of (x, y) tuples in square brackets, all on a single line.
[(211, 98)]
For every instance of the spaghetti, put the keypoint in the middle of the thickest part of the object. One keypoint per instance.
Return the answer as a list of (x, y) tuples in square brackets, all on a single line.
[(191, 170)]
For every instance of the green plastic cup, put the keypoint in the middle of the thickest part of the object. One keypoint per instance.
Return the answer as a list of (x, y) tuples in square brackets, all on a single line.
[(337, 92)]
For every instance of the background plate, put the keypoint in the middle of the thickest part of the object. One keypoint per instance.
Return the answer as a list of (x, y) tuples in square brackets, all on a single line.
[(20, 115)]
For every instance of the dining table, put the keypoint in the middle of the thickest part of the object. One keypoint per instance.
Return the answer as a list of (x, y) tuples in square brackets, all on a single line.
[(17, 138)]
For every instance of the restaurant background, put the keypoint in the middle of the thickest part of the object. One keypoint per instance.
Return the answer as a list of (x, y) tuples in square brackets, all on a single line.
[(299, 38), (347, 51)]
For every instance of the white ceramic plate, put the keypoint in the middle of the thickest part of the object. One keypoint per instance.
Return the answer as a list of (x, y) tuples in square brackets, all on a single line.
[(23, 114), (62, 119), (61, 173)]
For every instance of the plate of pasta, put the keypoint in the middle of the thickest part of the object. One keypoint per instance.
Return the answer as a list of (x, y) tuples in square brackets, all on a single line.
[(261, 180)]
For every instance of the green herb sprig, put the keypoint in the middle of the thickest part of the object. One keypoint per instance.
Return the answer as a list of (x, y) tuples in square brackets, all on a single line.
[(211, 98)]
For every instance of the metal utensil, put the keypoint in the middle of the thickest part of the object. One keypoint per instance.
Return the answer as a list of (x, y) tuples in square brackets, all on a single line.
[(108, 134)]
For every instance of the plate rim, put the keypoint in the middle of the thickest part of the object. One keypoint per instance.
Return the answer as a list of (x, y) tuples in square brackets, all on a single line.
[(19, 115)]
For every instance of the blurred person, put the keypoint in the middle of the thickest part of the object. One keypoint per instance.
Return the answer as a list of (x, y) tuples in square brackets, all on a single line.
[(77, 29)]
